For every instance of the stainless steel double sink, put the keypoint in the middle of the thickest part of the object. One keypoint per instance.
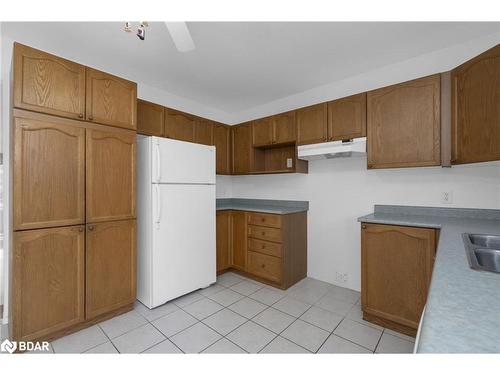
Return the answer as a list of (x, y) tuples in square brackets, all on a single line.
[(483, 251)]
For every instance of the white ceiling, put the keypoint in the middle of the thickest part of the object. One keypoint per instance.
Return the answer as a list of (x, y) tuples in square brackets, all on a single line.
[(237, 66)]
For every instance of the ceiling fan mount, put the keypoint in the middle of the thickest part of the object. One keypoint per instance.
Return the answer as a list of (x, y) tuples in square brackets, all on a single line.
[(178, 31)]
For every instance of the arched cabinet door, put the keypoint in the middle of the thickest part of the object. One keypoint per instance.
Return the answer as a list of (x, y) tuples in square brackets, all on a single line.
[(475, 114), (48, 290), (110, 175), (396, 269), (47, 83), (111, 100), (49, 173)]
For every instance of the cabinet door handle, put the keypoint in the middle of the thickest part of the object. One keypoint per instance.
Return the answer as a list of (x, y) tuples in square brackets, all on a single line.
[(363, 226), (80, 115), (80, 229), (91, 118), (91, 227)]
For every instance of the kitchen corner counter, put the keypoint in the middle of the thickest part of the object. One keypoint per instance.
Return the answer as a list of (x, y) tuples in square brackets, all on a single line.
[(462, 313), (270, 206)]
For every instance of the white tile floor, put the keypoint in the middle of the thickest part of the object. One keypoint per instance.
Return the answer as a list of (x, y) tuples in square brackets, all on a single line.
[(238, 315)]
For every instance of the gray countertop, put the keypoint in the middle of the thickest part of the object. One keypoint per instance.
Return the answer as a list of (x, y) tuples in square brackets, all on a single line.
[(462, 314), (270, 206)]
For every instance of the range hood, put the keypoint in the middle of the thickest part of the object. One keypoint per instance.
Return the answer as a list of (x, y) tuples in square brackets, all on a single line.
[(335, 149)]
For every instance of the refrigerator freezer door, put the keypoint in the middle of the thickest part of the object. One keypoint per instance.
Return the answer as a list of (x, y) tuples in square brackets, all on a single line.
[(183, 240), (182, 162)]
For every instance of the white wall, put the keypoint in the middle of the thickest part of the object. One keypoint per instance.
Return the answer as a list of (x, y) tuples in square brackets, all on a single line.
[(5, 57), (224, 187), (341, 190)]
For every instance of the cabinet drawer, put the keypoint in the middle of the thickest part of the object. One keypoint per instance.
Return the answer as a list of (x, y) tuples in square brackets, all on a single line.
[(264, 266), (264, 233), (265, 220), (265, 247)]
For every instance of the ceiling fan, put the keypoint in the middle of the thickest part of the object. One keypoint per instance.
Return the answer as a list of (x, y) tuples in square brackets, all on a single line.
[(178, 31)]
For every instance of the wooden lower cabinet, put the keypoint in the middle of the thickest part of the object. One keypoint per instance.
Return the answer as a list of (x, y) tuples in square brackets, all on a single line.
[(239, 240), (396, 269), (265, 266), (110, 266), (48, 291), (268, 247), (223, 236)]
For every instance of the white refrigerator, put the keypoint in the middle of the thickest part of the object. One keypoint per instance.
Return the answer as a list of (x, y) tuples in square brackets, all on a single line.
[(175, 219)]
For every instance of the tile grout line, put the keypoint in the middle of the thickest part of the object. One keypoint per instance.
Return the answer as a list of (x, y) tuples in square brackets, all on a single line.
[(166, 338), (378, 342), (279, 334), (331, 334), (109, 338)]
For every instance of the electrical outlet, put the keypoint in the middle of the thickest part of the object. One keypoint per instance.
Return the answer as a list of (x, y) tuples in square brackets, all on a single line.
[(447, 197), (289, 163), (341, 277)]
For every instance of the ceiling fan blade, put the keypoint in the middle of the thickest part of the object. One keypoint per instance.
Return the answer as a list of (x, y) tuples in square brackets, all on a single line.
[(181, 36)]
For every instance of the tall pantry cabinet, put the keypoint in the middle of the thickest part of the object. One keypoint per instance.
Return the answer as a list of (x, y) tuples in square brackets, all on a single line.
[(74, 246)]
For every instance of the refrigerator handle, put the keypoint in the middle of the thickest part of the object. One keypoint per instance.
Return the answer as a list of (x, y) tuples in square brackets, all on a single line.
[(158, 161), (158, 206)]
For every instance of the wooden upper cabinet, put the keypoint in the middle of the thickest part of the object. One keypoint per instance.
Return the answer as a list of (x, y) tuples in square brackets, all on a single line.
[(150, 118), (179, 125), (48, 291), (396, 269), (110, 266), (476, 109), (262, 131), (347, 118), (403, 124), (49, 173), (284, 128), (223, 237), (110, 176), (222, 143), (242, 148), (239, 240), (111, 100), (203, 131), (312, 124), (47, 83), (274, 130)]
